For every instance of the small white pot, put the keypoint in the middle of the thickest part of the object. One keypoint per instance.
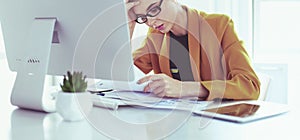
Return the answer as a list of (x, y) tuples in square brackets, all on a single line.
[(73, 106)]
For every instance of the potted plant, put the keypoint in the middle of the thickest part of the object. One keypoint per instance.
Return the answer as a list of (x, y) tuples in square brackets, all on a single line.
[(73, 101)]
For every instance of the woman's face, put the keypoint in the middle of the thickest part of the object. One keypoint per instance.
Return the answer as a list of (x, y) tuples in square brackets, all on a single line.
[(164, 20)]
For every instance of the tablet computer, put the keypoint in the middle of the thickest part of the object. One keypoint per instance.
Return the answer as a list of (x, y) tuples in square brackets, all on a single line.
[(245, 111)]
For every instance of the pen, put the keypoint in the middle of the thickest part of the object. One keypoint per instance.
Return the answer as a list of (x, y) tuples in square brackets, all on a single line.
[(222, 100), (100, 91), (101, 94)]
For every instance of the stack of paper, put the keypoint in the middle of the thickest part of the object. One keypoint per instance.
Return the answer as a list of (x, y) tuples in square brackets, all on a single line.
[(115, 99)]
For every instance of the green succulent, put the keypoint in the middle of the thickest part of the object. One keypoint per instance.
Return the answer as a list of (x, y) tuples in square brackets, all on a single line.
[(74, 82)]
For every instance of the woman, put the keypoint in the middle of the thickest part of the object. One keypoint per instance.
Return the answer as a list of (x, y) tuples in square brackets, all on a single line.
[(193, 54)]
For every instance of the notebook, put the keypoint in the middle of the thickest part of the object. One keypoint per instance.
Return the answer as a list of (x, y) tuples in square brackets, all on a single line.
[(243, 111)]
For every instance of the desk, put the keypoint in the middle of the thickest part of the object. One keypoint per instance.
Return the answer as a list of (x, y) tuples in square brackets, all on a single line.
[(134, 123), (141, 123)]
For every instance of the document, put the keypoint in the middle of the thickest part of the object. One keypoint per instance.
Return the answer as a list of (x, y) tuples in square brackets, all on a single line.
[(149, 100)]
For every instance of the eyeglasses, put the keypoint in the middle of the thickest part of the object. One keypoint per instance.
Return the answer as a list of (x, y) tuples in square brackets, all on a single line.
[(151, 13)]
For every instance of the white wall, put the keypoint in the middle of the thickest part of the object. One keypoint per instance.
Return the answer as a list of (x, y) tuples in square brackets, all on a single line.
[(276, 40)]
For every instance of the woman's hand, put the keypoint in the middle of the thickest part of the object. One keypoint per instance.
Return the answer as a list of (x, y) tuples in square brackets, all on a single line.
[(163, 85), (131, 15), (129, 5)]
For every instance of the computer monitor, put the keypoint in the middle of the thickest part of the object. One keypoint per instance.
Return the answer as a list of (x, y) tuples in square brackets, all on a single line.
[(53, 36)]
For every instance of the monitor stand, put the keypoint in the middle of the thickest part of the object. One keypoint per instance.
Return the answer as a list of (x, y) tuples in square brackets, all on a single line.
[(29, 90)]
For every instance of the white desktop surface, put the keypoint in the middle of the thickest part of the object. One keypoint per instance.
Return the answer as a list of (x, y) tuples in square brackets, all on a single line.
[(139, 123), (135, 123)]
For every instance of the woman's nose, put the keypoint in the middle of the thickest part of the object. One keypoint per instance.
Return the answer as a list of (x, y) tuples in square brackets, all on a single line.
[(151, 21)]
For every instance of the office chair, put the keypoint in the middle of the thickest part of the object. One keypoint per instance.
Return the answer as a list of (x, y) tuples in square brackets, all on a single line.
[(265, 83)]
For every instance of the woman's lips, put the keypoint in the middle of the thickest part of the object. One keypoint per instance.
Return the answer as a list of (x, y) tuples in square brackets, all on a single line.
[(160, 27)]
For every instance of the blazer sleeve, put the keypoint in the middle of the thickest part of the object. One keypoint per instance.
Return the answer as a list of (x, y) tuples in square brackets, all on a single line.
[(241, 81), (142, 56)]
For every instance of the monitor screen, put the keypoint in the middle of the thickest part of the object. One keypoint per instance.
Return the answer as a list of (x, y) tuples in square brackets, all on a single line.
[(51, 37), (90, 36)]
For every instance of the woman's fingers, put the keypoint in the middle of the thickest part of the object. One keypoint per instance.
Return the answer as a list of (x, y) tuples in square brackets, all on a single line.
[(159, 84), (155, 77), (153, 86), (158, 91), (129, 5)]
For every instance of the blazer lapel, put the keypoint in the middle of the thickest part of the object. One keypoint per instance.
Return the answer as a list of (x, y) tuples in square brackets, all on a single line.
[(194, 43)]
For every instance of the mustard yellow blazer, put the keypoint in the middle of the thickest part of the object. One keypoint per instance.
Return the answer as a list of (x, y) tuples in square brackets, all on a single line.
[(218, 58)]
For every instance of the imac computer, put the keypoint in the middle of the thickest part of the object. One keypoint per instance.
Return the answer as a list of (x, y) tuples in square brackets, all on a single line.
[(51, 37)]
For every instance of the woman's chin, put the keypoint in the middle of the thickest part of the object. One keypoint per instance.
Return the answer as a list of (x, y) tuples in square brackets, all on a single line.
[(163, 31)]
